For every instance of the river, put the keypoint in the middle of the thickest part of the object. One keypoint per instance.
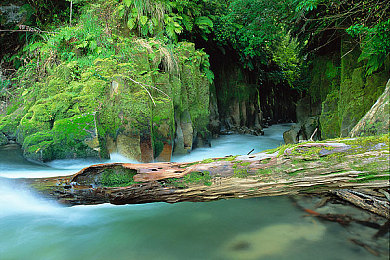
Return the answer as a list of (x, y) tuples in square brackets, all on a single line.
[(262, 228)]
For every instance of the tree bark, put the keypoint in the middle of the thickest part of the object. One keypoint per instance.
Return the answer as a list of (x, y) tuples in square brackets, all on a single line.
[(302, 168)]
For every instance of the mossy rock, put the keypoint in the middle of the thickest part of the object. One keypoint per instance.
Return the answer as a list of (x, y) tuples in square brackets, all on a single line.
[(66, 102), (329, 120), (194, 92), (28, 126), (163, 127), (39, 146), (357, 95), (10, 123), (77, 137)]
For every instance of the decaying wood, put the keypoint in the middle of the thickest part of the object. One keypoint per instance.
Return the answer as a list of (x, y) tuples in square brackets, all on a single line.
[(380, 207), (304, 168)]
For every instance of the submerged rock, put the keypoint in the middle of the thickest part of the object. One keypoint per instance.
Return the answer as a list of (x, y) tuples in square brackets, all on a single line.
[(271, 241)]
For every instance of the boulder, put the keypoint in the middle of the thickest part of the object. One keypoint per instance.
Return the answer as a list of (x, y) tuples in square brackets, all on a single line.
[(292, 136), (309, 127), (301, 132), (376, 120)]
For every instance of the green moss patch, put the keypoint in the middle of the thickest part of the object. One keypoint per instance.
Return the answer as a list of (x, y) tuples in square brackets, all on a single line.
[(197, 178), (117, 177)]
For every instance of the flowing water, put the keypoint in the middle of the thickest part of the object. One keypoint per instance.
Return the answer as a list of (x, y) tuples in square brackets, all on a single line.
[(263, 228)]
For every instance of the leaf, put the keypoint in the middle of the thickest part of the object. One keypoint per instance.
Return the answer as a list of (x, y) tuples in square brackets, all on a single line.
[(204, 21), (143, 20), (151, 27), (93, 45), (188, 24), (130, 23), (128, 2), (34, 46)]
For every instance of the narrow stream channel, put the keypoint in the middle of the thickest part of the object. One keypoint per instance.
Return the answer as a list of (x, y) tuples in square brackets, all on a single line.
[(262, 228)]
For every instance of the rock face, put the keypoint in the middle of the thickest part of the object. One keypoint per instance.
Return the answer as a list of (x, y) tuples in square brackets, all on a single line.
[(3, 139), (125, 105), (376, 120), (244, 103), (339, 82)]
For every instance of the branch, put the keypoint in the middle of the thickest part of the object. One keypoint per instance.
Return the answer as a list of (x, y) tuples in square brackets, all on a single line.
[(37, 31)]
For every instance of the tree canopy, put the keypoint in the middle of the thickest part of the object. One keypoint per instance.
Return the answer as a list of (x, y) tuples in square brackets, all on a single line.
[(263, 34)]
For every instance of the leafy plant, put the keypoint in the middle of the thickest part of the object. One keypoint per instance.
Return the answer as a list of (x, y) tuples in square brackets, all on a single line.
[(375, 43)]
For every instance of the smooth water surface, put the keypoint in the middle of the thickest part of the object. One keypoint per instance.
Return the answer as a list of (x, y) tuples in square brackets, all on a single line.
[(263, 228)]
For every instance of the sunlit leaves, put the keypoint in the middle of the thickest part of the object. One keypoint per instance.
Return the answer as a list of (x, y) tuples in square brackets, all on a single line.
[(308, 5), (375, 44)]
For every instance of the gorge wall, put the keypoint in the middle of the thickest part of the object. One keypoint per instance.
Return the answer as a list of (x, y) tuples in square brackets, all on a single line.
[(340, 92), (246, 100)]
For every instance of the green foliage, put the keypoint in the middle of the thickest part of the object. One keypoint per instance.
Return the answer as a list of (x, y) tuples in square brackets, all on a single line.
[(287, 58), (319, 23), (308, 5), (166, 19), (375, 43), (249, 28)]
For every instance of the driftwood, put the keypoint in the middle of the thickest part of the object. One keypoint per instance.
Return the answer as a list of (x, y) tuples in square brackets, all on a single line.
[(302, 168), (375, 205)]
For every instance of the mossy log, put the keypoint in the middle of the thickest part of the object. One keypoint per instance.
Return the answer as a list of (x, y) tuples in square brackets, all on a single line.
[(313, 167)]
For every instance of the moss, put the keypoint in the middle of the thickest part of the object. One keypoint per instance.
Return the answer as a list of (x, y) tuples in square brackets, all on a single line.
[(10, 123), (163, 124), (39, 146), (29, 126), (325, 73), (264, 171), (349, 92), (117, 177), (229, 158), (369, 141), (306, 153), (280, 150), (191, 92), (207, 161), (265, 161), (240, 169), (329, 119), (368, 178), (73, 89), (197, 178), (76, 137)]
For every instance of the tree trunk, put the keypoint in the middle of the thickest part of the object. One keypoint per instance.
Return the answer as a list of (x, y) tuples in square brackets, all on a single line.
[(301, 168)]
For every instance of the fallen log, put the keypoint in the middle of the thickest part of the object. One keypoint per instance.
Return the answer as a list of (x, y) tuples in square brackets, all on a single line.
[(311, 167)]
